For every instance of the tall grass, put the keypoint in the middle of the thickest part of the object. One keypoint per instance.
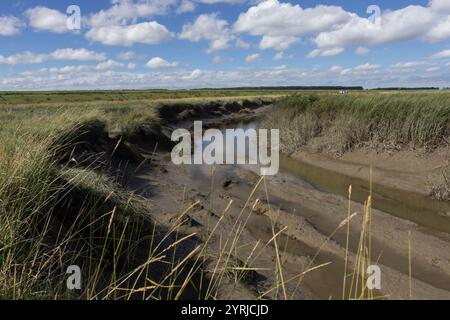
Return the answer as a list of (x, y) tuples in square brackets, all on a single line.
[(339, 124)]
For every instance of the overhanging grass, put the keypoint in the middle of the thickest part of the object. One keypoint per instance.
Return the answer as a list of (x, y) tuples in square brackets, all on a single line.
[(345, 122)]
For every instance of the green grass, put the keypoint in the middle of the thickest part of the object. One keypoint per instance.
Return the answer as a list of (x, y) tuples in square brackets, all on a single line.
[(118, 96), (55, 213), (341, 123)]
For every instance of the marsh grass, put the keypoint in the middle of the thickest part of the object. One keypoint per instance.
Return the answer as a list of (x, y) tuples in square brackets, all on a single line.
[(338, 124), (440, 190)]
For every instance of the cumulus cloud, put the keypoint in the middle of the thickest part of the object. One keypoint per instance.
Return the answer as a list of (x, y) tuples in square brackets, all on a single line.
[(77, 54), (29, 57), (123, 12), (26, 57), (325, 53), (278, 56), (210, 28), (9, 25), (433, 69), (45, 19), (241, 44), (281, 24), (217, 60), (408, 64), (285, 21), (221, 1), (441, 54), (186, 6), (395, 26), (195, 74), (440, 5), (335, 69), (252, 58), (145, 32), (157, 62), (367, 66), (362, 51), (277, 43), (126, 55), (108, 64), (67, 69)]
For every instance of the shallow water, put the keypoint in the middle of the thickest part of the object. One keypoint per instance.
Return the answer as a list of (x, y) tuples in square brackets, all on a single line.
[(421, 209), (426, 212), (430, 214)]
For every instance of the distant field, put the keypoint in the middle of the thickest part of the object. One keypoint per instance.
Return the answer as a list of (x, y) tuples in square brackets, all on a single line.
[(62, 97), (118, 96)]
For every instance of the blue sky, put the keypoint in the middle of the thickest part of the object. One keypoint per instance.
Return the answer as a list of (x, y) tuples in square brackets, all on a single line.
[(223, 43)]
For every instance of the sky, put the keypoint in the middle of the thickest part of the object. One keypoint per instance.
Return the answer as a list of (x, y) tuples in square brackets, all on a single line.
[(183, 44)]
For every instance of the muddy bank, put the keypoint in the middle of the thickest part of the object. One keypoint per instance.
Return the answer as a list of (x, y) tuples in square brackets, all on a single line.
[(412, 171), (306, 218), (257, 234), (400, 193), (225, 111)]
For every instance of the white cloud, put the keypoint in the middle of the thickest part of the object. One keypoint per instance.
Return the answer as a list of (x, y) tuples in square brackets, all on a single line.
[(222, 1), (408, 64), (67, 69), (440, 5), (123, 12), (158, 62), (45, 19), (217, 60), (367, 66), (433, 69), (126, 55), (278, 43), (325, 53), (274, 19), (439, 32), (108, 64), (195, 74), (395, 26), (77, 54), (336, 69), (278, 56), (9, 25), (242, 44), (333, 27), (28, 57), (208, 27), (186, 6), (362, 51), (441, 54), (131, 66), (145, 32), (252, 58)]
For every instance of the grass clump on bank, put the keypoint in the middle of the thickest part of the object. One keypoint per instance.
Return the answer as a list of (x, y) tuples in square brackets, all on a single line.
[(441, 189), (340, 123), (61, 205), (53, 215)]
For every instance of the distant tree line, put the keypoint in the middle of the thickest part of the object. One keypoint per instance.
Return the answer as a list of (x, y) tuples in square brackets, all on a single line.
[(407, 89), (289, 88)]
